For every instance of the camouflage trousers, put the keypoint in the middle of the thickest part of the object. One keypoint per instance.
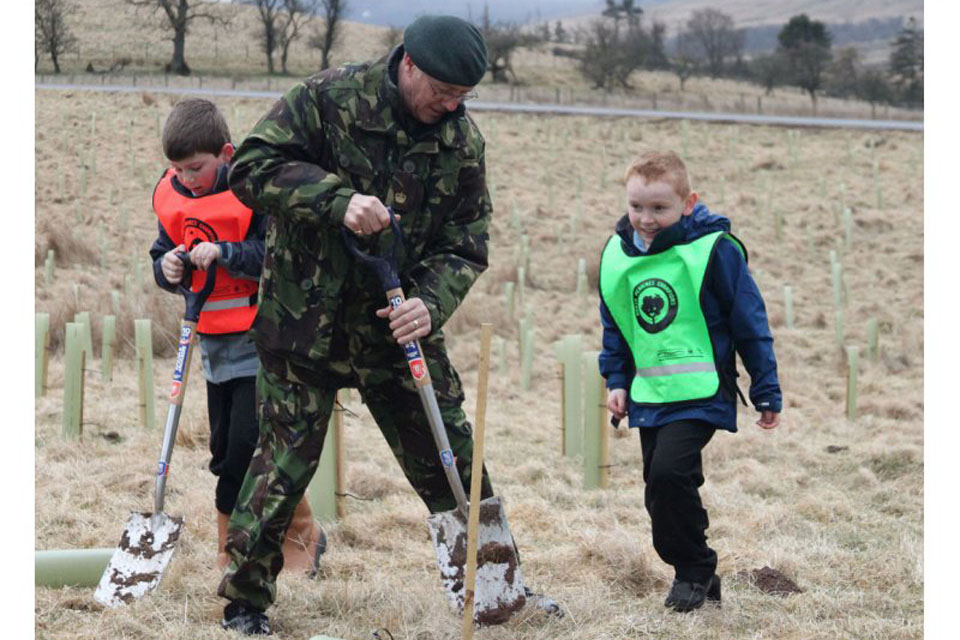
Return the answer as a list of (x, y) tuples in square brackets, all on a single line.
[(294, 405)]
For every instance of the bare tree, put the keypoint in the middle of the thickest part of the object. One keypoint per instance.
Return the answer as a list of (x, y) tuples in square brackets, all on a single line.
[(714, 32), (769, 70), (843, 74), (686, 60), (269, 12), (600, 53), (297, 15), (325, 39), (873, 87), (177, 17), (503, 38), (52, 33)]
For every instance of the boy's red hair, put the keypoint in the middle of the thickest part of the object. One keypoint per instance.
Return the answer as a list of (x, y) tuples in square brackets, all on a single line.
[(665, 166)]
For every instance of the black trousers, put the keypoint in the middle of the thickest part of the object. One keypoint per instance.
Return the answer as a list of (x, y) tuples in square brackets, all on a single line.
[(673, 473), (234, 431)]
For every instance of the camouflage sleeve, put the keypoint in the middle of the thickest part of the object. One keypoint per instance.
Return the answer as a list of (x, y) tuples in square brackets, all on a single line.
[(276, 170), (457, 255)]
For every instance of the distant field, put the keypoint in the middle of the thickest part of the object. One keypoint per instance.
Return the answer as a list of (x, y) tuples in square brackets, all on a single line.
[(230, 56), (844, 523)]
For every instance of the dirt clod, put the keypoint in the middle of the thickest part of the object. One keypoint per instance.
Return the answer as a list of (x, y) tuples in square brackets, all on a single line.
[(770, 581), (833, 448)]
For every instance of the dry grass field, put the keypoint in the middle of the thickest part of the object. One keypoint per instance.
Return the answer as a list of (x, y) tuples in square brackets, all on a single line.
[(834, 504)]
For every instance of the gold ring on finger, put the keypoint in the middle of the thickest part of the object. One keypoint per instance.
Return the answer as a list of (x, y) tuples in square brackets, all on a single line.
[(416, 324)]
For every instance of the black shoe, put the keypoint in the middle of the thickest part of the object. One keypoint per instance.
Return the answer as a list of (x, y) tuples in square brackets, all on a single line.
[(245, 619), (687, 596), (549, 606)]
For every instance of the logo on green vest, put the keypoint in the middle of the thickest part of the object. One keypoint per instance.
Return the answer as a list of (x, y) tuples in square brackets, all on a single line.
[(654, 304)]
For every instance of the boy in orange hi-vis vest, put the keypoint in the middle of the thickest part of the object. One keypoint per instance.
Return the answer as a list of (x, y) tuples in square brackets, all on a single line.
[(199, 215)]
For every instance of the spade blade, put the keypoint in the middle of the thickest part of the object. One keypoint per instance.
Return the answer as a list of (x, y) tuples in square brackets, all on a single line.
[(138, 563)]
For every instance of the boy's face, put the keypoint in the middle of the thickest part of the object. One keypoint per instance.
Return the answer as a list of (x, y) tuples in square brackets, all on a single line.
[(199, 171), (653, 206)]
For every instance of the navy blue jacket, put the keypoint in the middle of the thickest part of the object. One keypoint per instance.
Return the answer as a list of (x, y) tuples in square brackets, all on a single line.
[(736, 319)]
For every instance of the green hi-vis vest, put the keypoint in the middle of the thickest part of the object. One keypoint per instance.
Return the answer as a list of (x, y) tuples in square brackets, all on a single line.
[(655, 302)]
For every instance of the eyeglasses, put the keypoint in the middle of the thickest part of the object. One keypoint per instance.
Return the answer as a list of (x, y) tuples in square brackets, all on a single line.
[(445, 94)]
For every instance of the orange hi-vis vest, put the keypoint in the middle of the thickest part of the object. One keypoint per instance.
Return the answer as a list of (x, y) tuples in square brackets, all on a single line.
[(218, 217)]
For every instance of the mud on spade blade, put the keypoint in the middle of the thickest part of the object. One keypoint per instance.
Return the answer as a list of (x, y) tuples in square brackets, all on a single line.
[(140, 559), (499, 591)]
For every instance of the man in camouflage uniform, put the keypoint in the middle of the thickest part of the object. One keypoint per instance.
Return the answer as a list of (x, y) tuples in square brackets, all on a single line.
[(334, 152)]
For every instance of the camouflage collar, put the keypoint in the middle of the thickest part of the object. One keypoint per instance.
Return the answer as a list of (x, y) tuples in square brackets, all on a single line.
[(386, 113)]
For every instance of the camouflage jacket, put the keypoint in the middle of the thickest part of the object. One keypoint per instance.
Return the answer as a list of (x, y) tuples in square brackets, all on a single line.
[(344, 131)]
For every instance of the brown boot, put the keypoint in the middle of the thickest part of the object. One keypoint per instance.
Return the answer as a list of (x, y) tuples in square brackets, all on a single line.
[(305, 541), (223, 558)]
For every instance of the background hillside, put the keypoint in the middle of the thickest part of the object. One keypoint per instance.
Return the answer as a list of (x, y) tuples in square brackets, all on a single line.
[(120, 44)]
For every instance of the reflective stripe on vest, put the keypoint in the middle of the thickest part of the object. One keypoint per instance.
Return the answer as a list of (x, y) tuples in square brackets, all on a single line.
[(655, 302), (218, 217), (674, 369), (226, 303)]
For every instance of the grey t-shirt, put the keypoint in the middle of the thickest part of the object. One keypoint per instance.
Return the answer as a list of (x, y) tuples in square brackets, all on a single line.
[(229, 356)]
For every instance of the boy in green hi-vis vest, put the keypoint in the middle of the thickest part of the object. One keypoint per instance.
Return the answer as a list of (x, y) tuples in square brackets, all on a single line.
[(677, 302)]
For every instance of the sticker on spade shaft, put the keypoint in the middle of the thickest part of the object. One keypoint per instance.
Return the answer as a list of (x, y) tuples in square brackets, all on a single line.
[(163, 468), (446, 457), (180, 366), (418, 368)]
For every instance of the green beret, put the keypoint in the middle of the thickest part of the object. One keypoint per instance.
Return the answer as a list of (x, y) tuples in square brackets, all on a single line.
[(447, 48)]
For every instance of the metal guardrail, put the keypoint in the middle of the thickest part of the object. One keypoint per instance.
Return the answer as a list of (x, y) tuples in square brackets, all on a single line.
[(554, 109)]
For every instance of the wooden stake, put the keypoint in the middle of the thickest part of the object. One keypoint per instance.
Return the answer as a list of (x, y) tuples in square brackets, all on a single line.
[(41, 352), (144, 342), (476, 475)]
